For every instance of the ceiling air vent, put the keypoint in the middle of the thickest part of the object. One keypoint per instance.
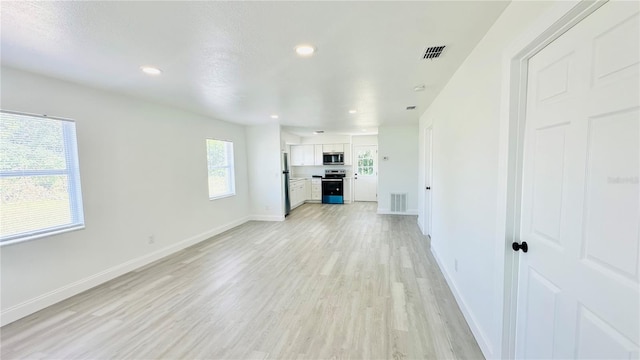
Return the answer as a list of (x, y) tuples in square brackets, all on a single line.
[(433, 52), (413, 107)]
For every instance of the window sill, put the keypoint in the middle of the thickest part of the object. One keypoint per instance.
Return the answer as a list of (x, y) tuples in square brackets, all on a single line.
[(222, 196), (41, 235)]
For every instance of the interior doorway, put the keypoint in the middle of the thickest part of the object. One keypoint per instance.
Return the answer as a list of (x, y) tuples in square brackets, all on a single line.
[(428, 168)]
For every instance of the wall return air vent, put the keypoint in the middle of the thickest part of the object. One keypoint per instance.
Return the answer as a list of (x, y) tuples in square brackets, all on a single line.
[(398, 202), (433, 52)]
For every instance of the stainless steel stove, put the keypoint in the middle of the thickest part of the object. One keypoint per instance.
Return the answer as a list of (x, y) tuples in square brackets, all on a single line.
[(332, 186)]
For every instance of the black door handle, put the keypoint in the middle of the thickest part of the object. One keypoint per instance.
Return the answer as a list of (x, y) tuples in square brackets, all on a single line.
[(524, 247), (428, 188)]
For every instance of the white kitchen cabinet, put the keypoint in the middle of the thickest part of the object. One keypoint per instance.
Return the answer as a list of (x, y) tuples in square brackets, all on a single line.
[(301, 195), (296, 155), (309, 155), (296, 195), (293, 193), (316, 189), (318, 155), (302, 155), (299, 191), (296, 192), (333, 148), (307, 189), (346, 189), (347, 154)]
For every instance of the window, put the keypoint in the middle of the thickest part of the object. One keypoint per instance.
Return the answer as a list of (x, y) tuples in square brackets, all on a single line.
[(221, 172), (365, 163), (39, 177)]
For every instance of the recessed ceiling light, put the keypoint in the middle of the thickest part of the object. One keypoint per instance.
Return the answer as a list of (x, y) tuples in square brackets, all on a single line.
[(412, 107), (274, 116), (352, 111), (305, 50), (318, 132), (419, 88), (150, 70)]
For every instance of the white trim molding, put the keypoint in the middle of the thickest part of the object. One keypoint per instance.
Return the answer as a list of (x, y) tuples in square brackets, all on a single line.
[(30, 306), (478, 333), (267, 217)]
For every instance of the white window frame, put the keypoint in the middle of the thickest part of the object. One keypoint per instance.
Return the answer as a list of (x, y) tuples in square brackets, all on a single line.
[(229, 166), (74, 189)]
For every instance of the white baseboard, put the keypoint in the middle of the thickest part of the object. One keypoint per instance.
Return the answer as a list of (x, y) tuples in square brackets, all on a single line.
[(267, 217), (389, 212), (30, 306), (420, 225), (478, 333)]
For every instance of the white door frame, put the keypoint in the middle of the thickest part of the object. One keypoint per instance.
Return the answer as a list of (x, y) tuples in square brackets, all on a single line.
[(355, 168), (560, 18), (426, 222)]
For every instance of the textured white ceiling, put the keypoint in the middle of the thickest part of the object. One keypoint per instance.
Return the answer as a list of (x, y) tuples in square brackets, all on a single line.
[(235, 61)]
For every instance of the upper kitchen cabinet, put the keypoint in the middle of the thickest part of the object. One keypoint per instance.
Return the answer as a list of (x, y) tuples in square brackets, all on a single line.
[(318, 154), (347, 154), (311, 155), (329, 148), (302, 155)]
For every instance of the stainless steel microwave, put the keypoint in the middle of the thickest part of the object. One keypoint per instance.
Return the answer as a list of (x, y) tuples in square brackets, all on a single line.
[(333, 158)]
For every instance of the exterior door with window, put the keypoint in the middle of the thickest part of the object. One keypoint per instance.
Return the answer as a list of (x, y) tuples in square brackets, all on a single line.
[(365, 179), (578, 284)]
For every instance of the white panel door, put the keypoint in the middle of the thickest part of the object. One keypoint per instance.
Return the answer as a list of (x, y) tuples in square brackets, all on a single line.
[(365, 177), (578, 283), (427, 181)]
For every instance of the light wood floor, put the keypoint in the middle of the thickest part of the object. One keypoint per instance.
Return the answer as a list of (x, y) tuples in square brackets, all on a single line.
[(332, 281)]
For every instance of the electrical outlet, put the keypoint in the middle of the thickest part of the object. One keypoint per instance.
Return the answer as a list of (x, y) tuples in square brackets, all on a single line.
[(455, 264), (151, 239)]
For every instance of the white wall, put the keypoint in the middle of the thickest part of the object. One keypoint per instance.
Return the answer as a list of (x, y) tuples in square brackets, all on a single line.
[(364, 140), (465, 118), (143, 170), (265, 167), (326, 139), (399, 173), (286, 139)]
